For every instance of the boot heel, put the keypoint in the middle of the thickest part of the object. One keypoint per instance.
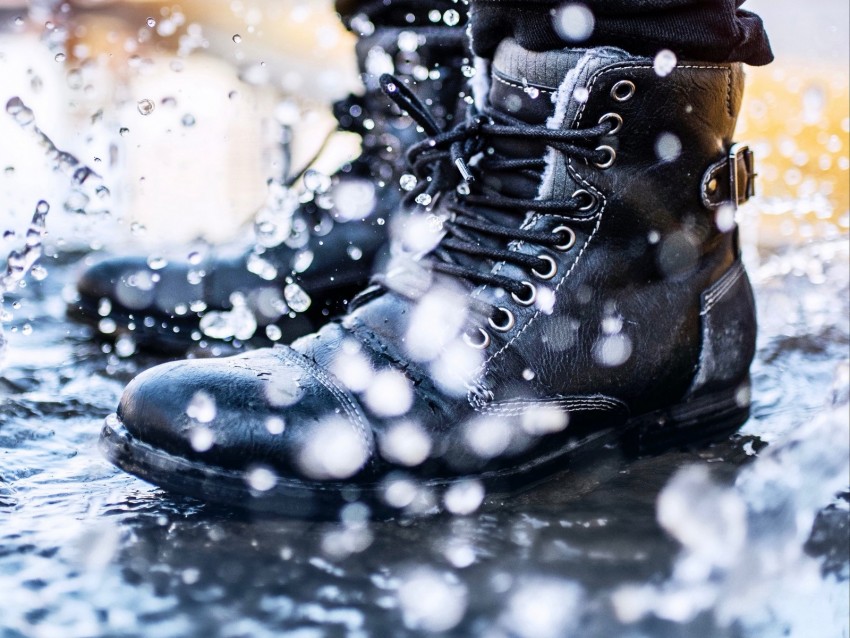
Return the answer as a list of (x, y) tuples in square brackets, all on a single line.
[(700, 420)]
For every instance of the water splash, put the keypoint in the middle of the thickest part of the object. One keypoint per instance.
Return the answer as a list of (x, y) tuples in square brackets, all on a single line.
[(20, 262), (89, 194)]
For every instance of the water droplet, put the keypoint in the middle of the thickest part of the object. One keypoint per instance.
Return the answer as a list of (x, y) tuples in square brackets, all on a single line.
[(155, 262), (423, 199), (201, 407), (302, 261), (261, 479), (464, 498), (274, 333), (151, 22), (665, 62), (237, 39), (432, 602), (60, 57), (201, 438), (408, 182), (406, 443), (354, 253), (408, 41), (613, 350), (275, 425), (21, 112), (725, 218), (316, 181), (260, 267), (389, 394), (668, 147), (145, 106), (451, 17), (296, 298), (353, 199), (332, 450), (77, 202), (123, 131), (107, 326), (125, 346), (39, 272), (104, 307), (188, 120), (574, 22)]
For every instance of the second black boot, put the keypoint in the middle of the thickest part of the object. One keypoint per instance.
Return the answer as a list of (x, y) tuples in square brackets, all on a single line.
[(305, 261), (569, 277)]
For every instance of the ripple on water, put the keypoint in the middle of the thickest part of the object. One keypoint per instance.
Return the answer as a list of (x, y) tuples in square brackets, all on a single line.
[(86, 550)]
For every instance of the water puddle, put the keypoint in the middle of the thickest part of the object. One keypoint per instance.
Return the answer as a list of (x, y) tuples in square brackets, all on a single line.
[(746, 538)]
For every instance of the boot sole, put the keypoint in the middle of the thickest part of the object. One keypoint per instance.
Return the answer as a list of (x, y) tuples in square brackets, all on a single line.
[(689, 424)]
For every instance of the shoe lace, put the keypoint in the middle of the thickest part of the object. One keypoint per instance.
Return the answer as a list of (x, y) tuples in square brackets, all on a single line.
[(454, 160)]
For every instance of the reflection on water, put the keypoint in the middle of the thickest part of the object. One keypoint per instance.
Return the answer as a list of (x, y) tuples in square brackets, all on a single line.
[(748, 537), (730, 549)]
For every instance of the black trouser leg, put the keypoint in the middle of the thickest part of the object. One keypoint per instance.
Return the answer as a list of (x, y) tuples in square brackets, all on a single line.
[(399, 13), (708, 30)]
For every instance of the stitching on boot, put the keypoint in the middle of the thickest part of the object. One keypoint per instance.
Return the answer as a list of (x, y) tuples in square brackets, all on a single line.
[(722, 286), (517, 408), (514, 85), (711, 174), (710, 298), (348, 404)]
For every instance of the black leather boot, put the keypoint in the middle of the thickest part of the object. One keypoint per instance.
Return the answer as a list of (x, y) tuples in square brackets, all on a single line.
[(304, 262), (569, 278)]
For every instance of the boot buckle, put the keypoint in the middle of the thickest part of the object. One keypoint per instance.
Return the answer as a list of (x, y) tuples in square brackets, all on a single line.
[(730, 181), (742, 175)]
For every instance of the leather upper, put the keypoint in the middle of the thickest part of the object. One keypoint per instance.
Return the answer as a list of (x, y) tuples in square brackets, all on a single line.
[(616, 332)]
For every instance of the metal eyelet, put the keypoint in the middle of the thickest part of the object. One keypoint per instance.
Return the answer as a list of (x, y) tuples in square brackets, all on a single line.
[(591, 199), (571, 238), (507, 325), (478, 345), (532, 295), (553, 268), (612, 155), (614, 117), (623, 90)]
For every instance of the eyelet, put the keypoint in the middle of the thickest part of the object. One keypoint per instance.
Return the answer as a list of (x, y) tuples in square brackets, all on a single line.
[(612, 155), (571, 241), (623, 90), (553, 268), (591, 199), (617, 119), (507, 325), (478, 345), (532, 295)]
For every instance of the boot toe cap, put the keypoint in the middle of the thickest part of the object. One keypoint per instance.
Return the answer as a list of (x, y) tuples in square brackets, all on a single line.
[(269, 408)]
